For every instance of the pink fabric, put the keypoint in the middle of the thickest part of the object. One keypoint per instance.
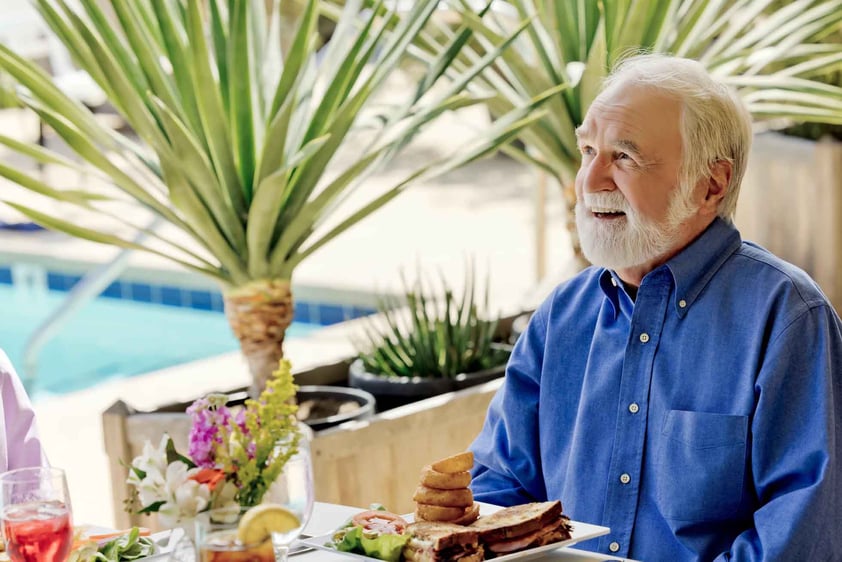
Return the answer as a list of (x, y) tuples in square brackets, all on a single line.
[(20, 445)]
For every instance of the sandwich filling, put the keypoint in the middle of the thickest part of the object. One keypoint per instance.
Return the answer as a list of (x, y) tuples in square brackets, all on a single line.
[(559, 530), (442, 542)]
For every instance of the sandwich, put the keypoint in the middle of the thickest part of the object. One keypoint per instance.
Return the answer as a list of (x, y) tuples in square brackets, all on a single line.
[(431, 541), (521, 527)]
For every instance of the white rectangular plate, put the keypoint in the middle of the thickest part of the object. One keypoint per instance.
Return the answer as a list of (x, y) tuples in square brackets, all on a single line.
[(581, 532)]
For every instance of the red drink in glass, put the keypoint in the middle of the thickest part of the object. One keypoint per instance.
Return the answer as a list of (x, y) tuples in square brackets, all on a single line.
[(37, 532)]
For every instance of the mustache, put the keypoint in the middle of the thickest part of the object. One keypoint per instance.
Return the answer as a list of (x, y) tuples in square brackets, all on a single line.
[(610, 200)]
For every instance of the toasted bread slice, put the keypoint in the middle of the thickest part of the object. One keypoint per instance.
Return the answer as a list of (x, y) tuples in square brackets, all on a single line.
[(442, 535), (517, 520), (412, 555)]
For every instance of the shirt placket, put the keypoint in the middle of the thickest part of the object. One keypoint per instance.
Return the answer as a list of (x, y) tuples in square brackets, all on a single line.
[(633, 408)]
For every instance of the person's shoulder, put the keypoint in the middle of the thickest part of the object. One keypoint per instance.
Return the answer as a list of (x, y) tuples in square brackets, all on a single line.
[(779, 276), (581, 285), (584, 281), (577, 292)]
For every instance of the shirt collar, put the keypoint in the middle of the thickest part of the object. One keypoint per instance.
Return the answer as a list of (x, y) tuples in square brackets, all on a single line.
[(610, 284), (691, 269)]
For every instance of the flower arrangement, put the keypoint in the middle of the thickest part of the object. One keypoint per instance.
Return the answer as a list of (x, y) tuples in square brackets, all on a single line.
[(234, 455)]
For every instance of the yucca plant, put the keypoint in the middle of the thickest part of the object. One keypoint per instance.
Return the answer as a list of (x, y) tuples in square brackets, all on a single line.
[(235, 136), (431, 331), (770, 51)]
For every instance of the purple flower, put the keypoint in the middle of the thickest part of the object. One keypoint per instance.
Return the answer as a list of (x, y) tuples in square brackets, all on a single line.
[(210, 420)]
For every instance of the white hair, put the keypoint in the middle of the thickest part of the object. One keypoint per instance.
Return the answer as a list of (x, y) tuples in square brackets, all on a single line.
[(715, 125)]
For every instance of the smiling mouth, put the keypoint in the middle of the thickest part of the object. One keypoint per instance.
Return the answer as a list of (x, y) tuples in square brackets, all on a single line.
[(607, 213)]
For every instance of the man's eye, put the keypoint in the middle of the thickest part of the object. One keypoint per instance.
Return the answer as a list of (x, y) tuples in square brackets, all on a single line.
[(586, 150), (623, 156)]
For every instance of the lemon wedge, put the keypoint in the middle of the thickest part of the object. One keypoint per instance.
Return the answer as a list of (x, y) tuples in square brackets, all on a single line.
[(259, 522)]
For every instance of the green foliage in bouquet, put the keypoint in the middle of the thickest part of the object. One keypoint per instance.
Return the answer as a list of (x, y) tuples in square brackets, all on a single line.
[(256, 452), (437, 334)]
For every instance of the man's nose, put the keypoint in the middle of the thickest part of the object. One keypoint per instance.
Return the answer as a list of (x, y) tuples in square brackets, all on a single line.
[(595, 174)]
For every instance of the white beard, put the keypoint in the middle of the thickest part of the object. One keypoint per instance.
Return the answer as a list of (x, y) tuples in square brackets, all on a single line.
[(631, 240)]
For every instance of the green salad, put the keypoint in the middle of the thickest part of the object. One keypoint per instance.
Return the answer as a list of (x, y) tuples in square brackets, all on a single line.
[(124, 548), (375, 533)]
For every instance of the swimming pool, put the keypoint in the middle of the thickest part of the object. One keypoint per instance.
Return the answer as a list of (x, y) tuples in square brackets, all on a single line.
[(111, 338)]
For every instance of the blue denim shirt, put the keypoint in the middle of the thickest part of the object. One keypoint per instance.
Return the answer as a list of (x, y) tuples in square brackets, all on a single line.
[(698, 422)]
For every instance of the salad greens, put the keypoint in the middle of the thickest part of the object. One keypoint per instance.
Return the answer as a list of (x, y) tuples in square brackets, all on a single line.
[(352, 538), (124, 548), (383, 547)]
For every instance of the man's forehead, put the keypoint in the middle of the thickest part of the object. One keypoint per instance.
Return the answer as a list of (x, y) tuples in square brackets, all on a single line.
[(630, 111)]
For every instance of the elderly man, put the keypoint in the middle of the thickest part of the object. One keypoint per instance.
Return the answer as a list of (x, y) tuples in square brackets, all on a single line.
[(19, 443), (685, 391)]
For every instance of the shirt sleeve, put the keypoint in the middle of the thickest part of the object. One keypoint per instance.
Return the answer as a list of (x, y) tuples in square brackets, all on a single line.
[(507, 467), (795, 462), (22, 443)]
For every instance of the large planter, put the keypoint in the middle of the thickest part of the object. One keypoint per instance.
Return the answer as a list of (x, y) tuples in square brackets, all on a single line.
[(393, 392), (791, 203), (330, 401)]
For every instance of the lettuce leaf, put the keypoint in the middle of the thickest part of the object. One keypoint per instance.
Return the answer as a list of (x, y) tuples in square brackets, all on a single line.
[(382, 547)]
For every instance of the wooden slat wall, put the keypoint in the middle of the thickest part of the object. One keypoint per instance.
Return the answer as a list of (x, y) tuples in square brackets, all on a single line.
[(791, 203)]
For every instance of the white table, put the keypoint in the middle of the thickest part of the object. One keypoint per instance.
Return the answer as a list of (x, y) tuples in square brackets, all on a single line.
[(327, 517)]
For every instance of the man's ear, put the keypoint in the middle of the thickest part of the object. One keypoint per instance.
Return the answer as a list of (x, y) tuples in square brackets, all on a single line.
[(717, 183)]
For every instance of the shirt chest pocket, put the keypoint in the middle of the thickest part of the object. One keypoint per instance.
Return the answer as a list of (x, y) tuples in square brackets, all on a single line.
[(701, 465)]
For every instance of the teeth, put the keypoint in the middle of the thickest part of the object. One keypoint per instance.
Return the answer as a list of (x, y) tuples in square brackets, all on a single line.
[(605, 210)]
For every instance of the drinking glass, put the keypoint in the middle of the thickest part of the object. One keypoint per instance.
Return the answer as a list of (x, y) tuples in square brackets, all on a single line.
[(293, 490), (35, 514), (217, 530), (217, 541)]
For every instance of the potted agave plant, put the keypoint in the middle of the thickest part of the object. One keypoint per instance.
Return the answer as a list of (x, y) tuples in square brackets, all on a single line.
[(229, 169), (428, 341)]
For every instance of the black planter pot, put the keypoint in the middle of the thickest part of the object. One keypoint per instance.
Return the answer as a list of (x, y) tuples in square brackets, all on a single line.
[(326, 399), (391, 392)]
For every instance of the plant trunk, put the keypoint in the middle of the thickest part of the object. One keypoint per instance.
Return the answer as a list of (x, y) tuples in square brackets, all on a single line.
[(259, 314)]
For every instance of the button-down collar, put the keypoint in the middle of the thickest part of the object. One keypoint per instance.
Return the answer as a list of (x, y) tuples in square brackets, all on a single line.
[(691, 269)]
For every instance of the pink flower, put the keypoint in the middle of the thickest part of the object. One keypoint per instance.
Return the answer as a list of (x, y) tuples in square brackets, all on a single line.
[(210, 416)]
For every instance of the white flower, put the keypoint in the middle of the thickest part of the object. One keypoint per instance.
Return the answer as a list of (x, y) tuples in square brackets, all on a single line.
[(170, 483), (152, 462), (184, 498)]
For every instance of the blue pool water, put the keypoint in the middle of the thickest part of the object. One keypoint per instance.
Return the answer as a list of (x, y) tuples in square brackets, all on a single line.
[(110, 338)]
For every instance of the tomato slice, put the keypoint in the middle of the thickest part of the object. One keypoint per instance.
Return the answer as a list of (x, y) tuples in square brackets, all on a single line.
[(380, 522)]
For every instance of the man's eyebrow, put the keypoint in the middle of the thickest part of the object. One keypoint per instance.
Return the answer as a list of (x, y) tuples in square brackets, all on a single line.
[(581, 131), (628, 145)]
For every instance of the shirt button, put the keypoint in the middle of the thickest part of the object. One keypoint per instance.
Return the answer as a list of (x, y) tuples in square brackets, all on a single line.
[(644, 337), (634, 408), (682, 303), (613, 281), (625, 478), (614, 546)]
